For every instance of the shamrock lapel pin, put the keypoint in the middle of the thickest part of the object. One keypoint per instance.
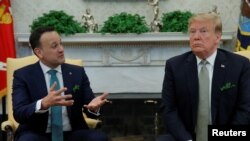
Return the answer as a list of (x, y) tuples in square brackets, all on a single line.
[(75, 88)]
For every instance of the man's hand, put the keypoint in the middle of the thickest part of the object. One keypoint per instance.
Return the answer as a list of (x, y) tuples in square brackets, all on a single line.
[(97, 102), (54, 98)]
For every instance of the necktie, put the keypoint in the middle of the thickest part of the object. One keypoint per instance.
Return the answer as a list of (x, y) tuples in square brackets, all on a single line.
[(203, 105), (56, 112)]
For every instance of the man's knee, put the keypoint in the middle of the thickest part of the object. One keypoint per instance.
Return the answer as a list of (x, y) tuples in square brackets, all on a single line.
[(30, 136), (166, 137), (98, 136)]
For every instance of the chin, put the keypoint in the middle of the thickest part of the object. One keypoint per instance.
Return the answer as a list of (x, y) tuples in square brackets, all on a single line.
[(197, 49), (62, 61), (198, 52)]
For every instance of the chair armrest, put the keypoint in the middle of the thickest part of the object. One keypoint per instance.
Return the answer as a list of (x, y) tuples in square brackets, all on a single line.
[(7, 124), (8, 127), (92, 123)]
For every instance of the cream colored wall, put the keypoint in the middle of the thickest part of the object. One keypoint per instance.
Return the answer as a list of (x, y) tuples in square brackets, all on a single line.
[(25, 11)]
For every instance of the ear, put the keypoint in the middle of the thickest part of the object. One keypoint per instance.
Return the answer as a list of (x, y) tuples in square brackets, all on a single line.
[(38, 52), (218, 36)]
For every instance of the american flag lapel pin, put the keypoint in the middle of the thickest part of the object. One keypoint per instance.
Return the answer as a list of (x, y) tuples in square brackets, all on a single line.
[(222, 66)]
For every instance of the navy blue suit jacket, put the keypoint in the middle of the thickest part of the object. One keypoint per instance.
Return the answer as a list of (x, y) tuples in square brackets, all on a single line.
[(180, 92), (29, 86)]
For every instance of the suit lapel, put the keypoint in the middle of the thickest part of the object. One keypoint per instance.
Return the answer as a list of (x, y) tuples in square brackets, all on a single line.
[(68, 82), (67, 75), (38, 75), (192, 79), (220, 67)]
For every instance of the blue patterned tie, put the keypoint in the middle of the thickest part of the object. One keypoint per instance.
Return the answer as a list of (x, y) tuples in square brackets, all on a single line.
[(56, 112)]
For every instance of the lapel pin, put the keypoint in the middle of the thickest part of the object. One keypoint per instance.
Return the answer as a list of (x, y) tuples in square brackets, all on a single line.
[(222, 66), (70, 73)]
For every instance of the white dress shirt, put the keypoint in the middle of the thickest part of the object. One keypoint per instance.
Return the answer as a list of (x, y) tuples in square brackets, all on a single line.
[(66, 123)]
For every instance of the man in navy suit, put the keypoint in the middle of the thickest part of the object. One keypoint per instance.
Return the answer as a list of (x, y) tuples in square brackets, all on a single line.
[(229, 78), (33, 96)]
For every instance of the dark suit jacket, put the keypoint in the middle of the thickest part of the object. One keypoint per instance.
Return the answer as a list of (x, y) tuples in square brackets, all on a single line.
[(29, 86), (180, 92)]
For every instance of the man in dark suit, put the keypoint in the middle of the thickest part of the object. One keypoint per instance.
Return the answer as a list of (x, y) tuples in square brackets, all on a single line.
[(228, 95), (34, 96)]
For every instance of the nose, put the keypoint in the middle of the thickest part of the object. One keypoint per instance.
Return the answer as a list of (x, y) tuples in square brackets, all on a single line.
[(196, 35), (61, 48)]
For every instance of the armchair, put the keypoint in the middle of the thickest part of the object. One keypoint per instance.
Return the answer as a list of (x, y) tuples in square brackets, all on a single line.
[(11, 125), (245, 53)]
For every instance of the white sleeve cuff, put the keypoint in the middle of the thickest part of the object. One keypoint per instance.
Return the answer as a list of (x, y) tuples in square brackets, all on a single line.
[(38, 107), (95, 113)]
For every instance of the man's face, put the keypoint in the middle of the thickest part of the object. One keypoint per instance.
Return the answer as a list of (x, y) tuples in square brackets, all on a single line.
[(203, 39), (51, 51)]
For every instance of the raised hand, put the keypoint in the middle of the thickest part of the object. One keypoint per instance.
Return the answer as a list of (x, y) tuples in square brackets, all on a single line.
[(54, 98), (97, 102)]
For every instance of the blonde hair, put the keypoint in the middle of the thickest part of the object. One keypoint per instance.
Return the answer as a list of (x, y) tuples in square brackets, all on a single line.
[(213, 17)]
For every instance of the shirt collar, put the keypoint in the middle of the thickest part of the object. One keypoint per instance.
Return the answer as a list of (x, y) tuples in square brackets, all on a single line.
[(210, 59), (45, 68)]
